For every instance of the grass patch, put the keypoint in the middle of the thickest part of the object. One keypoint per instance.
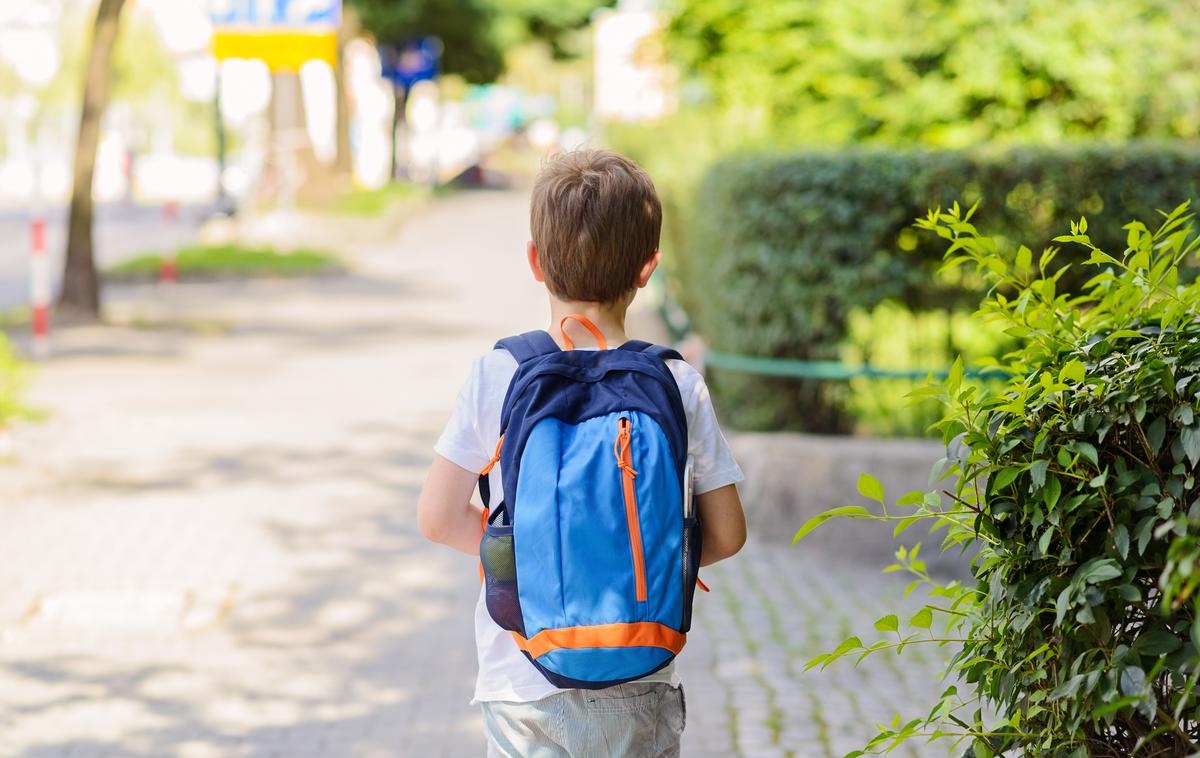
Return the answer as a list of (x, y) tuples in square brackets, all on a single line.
[(232, 261), (373, 202), (14, 375), (14, 317)]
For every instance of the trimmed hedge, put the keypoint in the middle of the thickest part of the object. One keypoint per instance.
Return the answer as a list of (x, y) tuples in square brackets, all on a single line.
[(779, 249)]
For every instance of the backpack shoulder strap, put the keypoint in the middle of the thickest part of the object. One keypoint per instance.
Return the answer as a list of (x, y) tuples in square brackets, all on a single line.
[(529, 345), (658, 351)]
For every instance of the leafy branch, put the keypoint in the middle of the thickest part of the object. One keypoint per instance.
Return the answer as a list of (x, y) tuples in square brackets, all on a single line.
[(1072, 487)]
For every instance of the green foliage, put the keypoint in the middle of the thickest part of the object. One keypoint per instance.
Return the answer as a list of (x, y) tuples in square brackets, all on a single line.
[(778, 251), (475, 32), (463, 26), (891, 336), (214, 261), (480, 35), (553, 22), (13, 376), (17, 316), (374, 202), (144, 71), (1075, 483), (947, 74)]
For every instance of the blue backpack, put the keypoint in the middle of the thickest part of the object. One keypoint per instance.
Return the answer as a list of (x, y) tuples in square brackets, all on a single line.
[(590, 559)]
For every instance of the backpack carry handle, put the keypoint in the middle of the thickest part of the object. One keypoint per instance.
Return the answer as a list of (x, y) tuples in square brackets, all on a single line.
[(528, 346), (562, 328), (658, 351)]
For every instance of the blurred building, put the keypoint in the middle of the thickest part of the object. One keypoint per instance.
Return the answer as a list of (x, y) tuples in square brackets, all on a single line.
[(633, 80)]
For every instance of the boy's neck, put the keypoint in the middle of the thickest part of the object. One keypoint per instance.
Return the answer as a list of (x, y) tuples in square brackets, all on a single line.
[(609, 318)]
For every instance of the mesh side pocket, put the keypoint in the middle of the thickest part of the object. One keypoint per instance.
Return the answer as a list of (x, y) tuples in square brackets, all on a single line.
[(498, 557)]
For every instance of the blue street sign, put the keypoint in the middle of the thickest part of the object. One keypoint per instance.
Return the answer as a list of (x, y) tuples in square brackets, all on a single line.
[(287, 13), (413, 62)]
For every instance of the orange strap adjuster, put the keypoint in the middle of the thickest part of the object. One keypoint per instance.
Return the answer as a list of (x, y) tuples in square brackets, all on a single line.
[(495, 457), (484, 472)]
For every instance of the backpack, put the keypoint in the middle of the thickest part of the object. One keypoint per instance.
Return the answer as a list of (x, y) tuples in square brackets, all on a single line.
[(591, 557)]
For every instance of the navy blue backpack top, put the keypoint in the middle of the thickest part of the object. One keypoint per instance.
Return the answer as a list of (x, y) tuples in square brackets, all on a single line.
[(590, 559)]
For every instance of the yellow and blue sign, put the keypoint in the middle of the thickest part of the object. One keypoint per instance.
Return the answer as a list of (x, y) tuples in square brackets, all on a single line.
[(284, 34)]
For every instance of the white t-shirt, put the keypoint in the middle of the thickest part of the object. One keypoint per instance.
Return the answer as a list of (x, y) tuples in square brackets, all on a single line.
[(469, 440)]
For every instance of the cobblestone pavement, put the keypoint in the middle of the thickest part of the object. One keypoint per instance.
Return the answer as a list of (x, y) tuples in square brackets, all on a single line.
[(210, 547)]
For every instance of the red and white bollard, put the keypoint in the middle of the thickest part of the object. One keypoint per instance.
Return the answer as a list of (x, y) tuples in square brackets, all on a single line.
[(39, 289), (168, 269)]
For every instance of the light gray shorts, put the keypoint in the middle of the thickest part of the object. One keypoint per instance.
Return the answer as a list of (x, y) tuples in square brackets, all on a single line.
[(635, 719)]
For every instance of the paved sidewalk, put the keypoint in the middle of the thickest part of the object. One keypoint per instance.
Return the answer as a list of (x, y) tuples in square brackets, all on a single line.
[(210, 548)]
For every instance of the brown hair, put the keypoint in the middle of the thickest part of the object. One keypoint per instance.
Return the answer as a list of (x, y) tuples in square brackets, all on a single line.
[(595, 220)]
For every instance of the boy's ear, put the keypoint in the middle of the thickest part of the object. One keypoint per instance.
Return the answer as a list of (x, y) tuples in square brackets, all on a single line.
[(647, 269), (534, 264)]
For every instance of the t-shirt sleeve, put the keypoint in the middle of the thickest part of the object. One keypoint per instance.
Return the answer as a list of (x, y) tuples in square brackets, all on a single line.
[(462, 441), (712, 460)]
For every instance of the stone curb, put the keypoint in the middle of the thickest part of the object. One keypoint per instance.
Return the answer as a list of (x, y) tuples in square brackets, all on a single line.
[(792, 477)]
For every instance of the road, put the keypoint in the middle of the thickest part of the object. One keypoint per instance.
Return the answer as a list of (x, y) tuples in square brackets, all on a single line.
[(121, 231), (210, 545)]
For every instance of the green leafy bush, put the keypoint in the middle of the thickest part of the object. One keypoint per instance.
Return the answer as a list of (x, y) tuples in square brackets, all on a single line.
[(950, 73), (1075, 483), (13, 375), (777, 250)]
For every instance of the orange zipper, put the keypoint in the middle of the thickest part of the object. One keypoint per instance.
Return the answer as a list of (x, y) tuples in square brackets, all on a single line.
[(625, 463)]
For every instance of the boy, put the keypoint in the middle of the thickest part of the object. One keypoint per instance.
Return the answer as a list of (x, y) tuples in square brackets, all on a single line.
[(595, 220)]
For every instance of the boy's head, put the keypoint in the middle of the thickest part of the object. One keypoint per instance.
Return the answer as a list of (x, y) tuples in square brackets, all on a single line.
[(595, 220)]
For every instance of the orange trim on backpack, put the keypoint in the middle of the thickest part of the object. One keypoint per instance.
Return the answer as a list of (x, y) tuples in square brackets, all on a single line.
[(495, 457), (586, 325), (629, 494), (635, 634), (702, 585), (484, 472)]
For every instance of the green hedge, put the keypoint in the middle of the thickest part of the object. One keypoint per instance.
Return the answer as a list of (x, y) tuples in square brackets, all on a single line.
[(780, 249)]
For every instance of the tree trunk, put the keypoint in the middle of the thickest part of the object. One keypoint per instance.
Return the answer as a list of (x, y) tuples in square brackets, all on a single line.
[(80, 286), (223, 200), (399, 131), (344, 164)]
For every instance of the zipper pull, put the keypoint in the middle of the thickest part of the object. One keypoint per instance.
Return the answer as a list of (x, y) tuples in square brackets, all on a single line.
[(621, 448)]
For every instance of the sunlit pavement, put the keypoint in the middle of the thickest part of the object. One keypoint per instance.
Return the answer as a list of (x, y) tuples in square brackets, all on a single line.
[(210, 547)]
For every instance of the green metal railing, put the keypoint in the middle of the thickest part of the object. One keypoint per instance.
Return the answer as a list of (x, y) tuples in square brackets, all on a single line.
[(794, 368), (798, 369)]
